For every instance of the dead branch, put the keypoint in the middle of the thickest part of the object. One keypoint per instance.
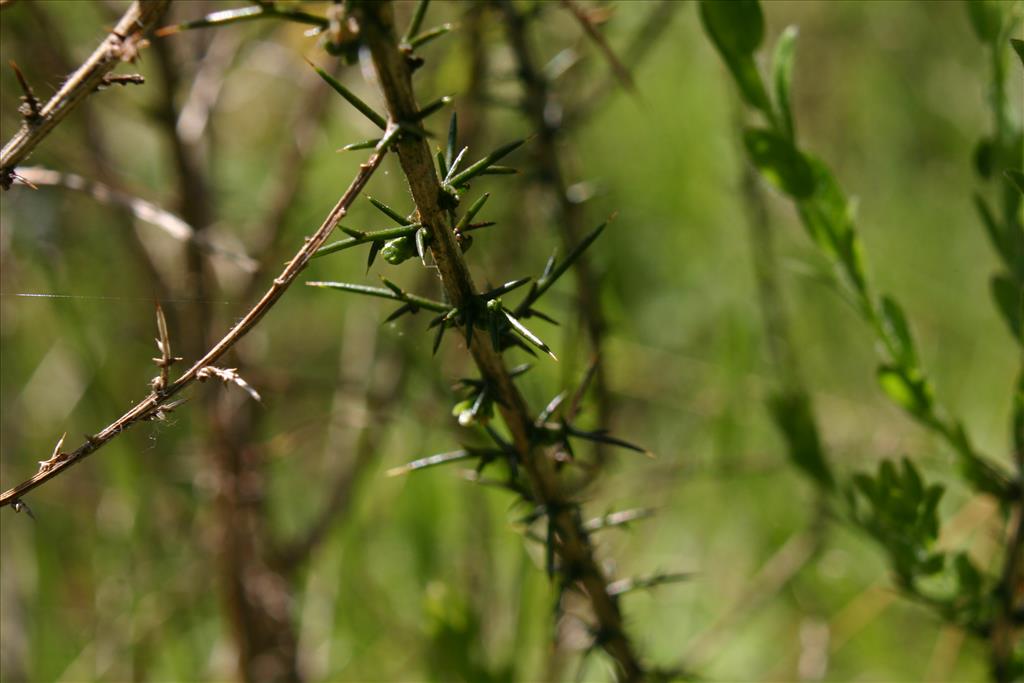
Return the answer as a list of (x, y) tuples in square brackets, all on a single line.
[(140, 208), (153, 403), (122, 45)]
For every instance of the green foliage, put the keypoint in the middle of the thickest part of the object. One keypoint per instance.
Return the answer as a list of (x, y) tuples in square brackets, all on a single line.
[(901, 513), (782, 78), (737, 29), (894, 506), (780, 162), (793, 414), (420, 578)]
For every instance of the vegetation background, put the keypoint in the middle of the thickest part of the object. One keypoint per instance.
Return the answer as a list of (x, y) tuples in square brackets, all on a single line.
[(425, 577)]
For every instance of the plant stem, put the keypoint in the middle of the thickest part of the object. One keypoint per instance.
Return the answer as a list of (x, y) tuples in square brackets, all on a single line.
[(573, 544), (122, 44), (569, 218), (149, 406)]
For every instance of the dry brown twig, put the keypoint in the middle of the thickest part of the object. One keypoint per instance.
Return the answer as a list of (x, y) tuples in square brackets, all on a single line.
[(142, 209), (122, 45), (639, 47), (618, 68), (156, 403)]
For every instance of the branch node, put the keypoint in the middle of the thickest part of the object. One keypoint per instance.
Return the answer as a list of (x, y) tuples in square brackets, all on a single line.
[(30, 108), (120, 79), (56, 457), (228, 376)]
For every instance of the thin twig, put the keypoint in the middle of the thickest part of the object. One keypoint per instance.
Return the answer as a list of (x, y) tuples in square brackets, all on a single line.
[(123, 44), (207, 85), (573, 543), (303, 131), (363, 450), (618, 68), (645, 38), (142, 209), (55, 58), (773, 575), (152, 403), (569, 218)]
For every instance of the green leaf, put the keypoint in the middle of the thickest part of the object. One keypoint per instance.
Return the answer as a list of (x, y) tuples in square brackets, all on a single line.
[(388, 211), (602, 437), (867, 486), (851, 260), (737, 26), (933, 564), (983, 154), (443, 459), (992, 227), (1018, 413), (371, 255), (434, 106), (358, 237), (365, 144), (967, 574), (398, 250), (416, 21), (235, 15), (455, 163), (986, 18), (553, 271), (471, 212), (780, 162), (794, 417), (392, 292), (528, 335), (1018, 47), (912, 481), (481, 165), (887, 478), (353, 99), (450, 145), (1009, 298), (504, 289), (429, 35), (826, 214), (782, 78), (897, 333), (1015, 177), (929, 510), (907, 390), (737, 29)]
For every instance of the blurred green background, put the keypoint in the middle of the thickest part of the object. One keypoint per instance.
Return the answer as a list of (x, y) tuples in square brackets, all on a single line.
[(428, 576)]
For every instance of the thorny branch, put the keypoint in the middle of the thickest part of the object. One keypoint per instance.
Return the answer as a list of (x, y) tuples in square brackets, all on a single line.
[(572, 541), (535, 104), (55, 59), (156, 403), (123, 44)]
